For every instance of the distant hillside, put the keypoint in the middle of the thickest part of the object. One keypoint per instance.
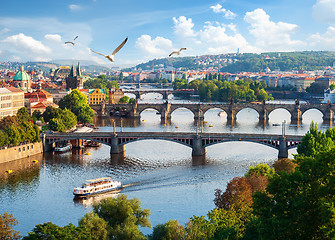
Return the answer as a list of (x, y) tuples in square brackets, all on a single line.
[(247, 62)]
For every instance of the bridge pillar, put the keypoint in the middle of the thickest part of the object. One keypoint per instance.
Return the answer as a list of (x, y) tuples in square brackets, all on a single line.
[(165, 95), (231, 116), (263, 115), (47, 147), (115, 147), (283, 150), (296, 115), (199, 115), (328, 116), (197, 148), (133, 112)]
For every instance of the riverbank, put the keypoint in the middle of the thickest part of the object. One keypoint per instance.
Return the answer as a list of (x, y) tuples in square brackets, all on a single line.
[(22, 151)]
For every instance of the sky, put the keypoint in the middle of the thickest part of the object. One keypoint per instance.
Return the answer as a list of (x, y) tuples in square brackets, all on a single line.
[(36, 30)]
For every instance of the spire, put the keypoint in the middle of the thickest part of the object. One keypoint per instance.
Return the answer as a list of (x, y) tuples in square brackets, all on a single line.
[(78, 70), (72, 72)]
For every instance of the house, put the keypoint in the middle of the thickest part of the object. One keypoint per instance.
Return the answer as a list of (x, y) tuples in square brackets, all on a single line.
[(115, 95), (96, 96)]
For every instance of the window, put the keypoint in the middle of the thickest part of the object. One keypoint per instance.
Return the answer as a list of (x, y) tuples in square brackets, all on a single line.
[(32, 146), (19, 149)]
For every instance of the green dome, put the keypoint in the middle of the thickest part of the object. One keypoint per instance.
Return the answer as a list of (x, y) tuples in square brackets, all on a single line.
[(21, 75)]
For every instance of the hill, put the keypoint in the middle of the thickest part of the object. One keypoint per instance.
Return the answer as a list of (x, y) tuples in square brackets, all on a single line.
[(246, 62)]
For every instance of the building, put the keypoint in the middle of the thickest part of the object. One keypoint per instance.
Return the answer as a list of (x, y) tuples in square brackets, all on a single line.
[(325, 81), (38, 96), (74, 80), (115, 95), (41, 106), (60, 73), (329, 96), (11, 100), (96, 96), (22, 80)]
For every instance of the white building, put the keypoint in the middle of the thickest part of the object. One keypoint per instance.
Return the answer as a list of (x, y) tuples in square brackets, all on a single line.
[(329, 96)]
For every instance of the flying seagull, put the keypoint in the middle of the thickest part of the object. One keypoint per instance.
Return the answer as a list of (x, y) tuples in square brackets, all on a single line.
[(111, 57), (72, 42), (177, 52)]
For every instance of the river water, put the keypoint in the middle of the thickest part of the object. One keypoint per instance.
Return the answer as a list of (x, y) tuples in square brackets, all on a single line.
[(161, 174)]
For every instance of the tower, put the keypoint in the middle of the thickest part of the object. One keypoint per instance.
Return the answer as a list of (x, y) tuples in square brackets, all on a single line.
[(74, 80)]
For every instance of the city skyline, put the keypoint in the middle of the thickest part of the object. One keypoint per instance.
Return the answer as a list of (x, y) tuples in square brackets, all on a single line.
[(37, 30)]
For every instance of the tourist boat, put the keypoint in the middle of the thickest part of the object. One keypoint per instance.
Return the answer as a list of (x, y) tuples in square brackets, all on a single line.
[(63, 148), (98, 185)]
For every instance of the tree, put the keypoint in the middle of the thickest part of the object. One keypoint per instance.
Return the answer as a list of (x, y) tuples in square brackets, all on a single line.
[(22, 115), (131, 101), (299, 204), (50, 113), (123, 217), (52, 231), (8, 121), (68, 118), (95, 228), (124, 99), (76, 102), (57, 124), (170, 230), (13, 134), (37, 116), (7, 222)]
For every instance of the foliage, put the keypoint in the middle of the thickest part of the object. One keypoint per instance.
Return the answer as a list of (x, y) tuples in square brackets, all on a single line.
[(170, 230), (224, 91), (101, 83), (52, 231), (76, 102), (237, 194), (68, 118), (22, 115), (37, 116), (95, 228), (123, 217), (124, 99), (8, 121), (56, 124), (50, 113), (260, 169), (316, 141), (131, 101), (7, 222), (284, 164)]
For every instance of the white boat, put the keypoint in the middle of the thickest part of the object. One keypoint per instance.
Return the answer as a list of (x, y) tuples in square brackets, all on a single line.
[(63, 148), (98, 185)]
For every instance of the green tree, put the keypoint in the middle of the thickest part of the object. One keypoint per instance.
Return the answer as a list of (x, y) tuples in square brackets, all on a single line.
[(37, 116), (124, 99), (22, 115), (170, 230), (76, 102), (123, 217), (68, 118), (13, 134), (56, 124), (50, 113), (95, 228), (7, 222), (131, 101)]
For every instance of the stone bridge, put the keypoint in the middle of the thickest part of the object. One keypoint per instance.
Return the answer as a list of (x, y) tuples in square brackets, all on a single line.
[(164, 92), (231, 109), (197, 141)]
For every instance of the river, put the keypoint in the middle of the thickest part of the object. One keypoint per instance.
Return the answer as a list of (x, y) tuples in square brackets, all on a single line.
[(161, 174)]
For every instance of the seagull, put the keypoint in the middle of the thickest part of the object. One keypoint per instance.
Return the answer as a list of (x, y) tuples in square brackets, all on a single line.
[(111, 57), (72, 42), (177, 52)]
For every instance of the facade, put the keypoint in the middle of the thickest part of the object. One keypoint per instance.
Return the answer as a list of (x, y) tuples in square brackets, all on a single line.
[(96, 96), (41, 106), (74, 80), (115, 95), (11, 100), (329, 96), (61, 73), (325, 81)]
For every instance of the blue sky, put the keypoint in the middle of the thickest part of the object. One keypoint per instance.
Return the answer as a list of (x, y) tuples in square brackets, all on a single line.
[(36, 30)]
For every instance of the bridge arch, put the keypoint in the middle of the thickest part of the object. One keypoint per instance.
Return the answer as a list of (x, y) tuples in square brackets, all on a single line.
[(285, 113), (306, 112), (148, 108), (173, 109), (102, 140), (274, 145), (185, 142), (249, 110)]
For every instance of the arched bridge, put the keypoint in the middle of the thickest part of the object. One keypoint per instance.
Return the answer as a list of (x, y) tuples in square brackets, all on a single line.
[(231, 109), (198, 142)]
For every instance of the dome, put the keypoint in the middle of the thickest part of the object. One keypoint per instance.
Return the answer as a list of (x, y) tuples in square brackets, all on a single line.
[(21, 75)]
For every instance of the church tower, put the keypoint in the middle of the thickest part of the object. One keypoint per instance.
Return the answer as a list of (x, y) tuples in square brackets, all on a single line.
[(74, 80)]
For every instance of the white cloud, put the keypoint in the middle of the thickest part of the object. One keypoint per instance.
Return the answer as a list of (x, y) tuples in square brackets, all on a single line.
[(226, 13), (325, 41), (271, 36), (74, 7), (158, 46), (26, 45), (324, 11), (183, 27), (53, 37), (215, 40)]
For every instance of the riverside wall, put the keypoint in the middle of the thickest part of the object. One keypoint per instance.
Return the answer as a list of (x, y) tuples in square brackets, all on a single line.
[(21, 151)]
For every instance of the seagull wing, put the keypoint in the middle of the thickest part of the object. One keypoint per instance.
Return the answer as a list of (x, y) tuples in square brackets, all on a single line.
[(120, 46), (98, 53), (75, 38), (69, 42), (173, 53), (182, 49)]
